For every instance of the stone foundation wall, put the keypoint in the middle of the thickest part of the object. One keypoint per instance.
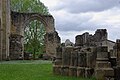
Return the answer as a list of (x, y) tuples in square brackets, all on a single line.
[(72, 61), (89, 58), (87, 62)]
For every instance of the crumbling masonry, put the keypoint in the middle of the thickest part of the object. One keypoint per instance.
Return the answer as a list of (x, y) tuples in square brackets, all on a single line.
[(12, 25), (91, 56)]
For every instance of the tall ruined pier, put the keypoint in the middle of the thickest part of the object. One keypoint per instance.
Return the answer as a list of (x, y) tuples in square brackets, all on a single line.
[(5, 23), (103, 68)]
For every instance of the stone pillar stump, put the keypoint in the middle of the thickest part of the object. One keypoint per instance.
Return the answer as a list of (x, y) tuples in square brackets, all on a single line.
[(80, 71)]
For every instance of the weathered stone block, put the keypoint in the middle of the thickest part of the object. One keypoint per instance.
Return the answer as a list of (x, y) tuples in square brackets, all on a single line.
[(74, 58), (59, 52), (82, 59), (16, 48), (102, 49), (58, 60), (81, 72), (102, 55), (89, 72), (72, 71), (65, 70), (66, 56), (104, 73), (90, 59), (100, 34), (79, 40), (103, 64)]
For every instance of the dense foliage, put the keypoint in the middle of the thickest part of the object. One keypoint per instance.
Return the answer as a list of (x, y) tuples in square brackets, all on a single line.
[(33, 6), (34, 38)]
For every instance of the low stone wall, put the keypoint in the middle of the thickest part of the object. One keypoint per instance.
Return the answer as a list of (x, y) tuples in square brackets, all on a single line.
[(85, 62), (71, 61)]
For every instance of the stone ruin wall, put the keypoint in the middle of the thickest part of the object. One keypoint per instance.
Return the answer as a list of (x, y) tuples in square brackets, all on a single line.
[(12, 32), (89, 57), (19, 22), (4, 28)]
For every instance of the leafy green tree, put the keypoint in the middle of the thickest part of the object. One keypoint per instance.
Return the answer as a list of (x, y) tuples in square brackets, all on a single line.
[(31, 6), (35, 31), (34, 37)]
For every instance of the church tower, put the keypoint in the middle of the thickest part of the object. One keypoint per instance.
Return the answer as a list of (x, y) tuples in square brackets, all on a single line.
[(5, 23)]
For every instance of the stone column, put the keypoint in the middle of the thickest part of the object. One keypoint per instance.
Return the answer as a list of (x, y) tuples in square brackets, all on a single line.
[(81, 64), (103, 68), (90, 61), (58, 61), (117, 50), (73, 63), (66, 57), (52, 41), (5, 28)]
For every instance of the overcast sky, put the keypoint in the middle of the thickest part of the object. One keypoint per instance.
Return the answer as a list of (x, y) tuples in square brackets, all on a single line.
[(74, 17)]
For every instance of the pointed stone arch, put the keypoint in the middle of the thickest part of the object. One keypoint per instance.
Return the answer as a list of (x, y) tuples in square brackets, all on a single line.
[(19, 20)]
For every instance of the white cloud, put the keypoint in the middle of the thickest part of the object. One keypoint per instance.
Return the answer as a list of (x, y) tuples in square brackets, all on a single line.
[(73, 17), (87, 6), (50, 3)]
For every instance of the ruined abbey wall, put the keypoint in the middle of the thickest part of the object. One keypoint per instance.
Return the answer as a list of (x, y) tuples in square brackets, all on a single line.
[(12, 25), (91, 56), (20, 21), (5, 24)]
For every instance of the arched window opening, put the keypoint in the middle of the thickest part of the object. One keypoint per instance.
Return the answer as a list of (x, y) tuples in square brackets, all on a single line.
[(34, 43)]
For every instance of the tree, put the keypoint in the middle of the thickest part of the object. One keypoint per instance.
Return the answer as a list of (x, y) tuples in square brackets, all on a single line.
[(34, 32), (34, 37), (31, 6)]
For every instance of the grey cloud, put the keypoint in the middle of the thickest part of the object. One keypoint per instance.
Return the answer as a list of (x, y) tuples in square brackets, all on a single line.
[(78, 6), (80, 24), (73, 22)]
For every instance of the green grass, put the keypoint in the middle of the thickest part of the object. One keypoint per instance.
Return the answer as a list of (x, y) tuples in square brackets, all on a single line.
[(30, 70)]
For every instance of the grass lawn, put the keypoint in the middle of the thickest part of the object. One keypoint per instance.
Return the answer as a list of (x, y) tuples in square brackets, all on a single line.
[(30, 70)]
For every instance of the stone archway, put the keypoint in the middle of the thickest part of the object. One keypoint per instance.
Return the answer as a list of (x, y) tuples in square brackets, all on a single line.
[(19, 20)]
